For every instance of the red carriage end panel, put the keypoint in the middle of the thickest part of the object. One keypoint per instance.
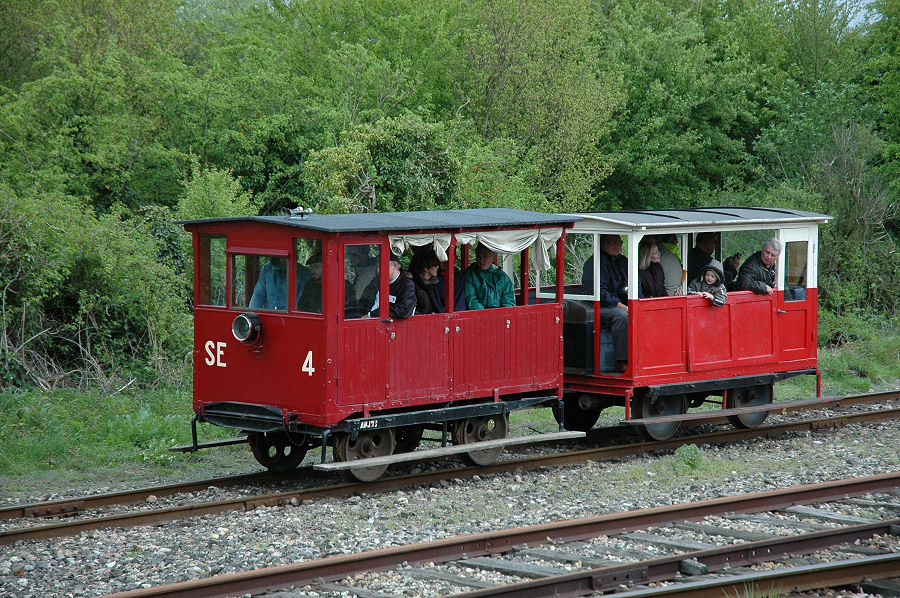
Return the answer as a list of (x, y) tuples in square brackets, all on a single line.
[(286, 370)]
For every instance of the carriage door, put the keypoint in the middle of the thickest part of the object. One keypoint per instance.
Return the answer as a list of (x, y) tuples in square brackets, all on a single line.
[(362, 346), (794, 318)]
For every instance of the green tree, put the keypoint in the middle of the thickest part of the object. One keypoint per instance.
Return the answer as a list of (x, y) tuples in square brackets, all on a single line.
[(689, 113), (394, 164)]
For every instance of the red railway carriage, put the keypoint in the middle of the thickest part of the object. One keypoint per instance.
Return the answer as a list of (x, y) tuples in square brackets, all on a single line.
[(293, 345), (683, 351)]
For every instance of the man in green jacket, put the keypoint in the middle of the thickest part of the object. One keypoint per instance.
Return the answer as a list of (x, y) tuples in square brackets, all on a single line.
[(758, 271), (486, 284)]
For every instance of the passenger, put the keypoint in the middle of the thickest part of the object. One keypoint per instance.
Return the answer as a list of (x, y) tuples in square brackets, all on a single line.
[(423, 269), (709, 284), (401, 293), (487, 285), (757, 274), (701, 254), (270, 292), (362, 274), (670, 260), (612, 287), (731, 268), (311, 299), (650, 271)]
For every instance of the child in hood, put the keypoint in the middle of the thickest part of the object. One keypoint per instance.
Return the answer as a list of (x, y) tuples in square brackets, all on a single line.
[(709, 284)]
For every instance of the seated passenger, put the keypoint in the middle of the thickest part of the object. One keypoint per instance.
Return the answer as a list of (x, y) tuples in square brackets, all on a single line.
[(401, 293), (650, 271), (731, 266), (709, 284), (757, 273), (612, 288), (670, 260), (270, 292), (701, 254), (423, 268), (311, 299), (487, 285)]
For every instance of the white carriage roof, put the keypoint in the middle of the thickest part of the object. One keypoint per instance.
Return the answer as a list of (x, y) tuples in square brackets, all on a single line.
[(396, 222), (698, 218)]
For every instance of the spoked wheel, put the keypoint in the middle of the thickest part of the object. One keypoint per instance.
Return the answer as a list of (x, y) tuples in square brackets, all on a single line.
[(666, 405), (581, 412), (407, 438), (275, 451), (749, 397), (479, 429), (370, 444)]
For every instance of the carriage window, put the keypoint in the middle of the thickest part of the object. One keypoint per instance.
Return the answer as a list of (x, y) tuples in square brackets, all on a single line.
[(259, 282), (361, 264), (211, 258), (795, 271), (579, 251), (309, 275)]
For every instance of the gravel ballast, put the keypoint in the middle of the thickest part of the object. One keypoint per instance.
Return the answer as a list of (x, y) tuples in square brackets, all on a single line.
[(107, 561)]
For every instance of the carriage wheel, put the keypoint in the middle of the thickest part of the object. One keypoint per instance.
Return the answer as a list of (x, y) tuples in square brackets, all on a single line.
[(407, 438), (666, 405), (370, 444), (478, 429), (580, 414), (749, 397), (275, 451)]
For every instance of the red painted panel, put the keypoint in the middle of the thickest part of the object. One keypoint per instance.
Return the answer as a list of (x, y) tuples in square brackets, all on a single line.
[(227, 370), (418, 359), (509, 349), (796, 321), (362, 362), (660, 336), (710, 341), (752, 327)]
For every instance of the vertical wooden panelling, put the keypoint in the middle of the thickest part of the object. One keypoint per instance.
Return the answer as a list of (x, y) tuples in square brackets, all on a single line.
[(418, 360), (362, 363)]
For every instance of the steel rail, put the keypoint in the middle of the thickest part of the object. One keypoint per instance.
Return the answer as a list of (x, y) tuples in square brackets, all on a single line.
[(83, 503), (603, 579), (771, 583), (153, 516), (448, 549)]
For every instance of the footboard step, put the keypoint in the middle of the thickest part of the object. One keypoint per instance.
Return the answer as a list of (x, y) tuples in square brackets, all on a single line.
[(447, 450)]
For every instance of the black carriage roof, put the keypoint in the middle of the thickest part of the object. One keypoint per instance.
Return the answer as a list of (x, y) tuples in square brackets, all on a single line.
[(700, 218), (408, 221)]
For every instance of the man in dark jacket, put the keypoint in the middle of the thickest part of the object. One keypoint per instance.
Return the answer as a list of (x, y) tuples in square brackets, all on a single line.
[(611, 288), (757, 273), (401, 293)]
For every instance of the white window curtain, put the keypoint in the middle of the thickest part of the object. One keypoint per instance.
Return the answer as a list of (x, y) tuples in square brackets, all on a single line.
[(514, 241), (438, 241)]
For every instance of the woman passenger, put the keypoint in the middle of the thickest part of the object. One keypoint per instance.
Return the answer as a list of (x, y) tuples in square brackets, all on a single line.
[(650, 271), (429, 293)]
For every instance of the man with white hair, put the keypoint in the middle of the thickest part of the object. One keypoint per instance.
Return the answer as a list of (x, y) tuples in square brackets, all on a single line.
[(757, 273)]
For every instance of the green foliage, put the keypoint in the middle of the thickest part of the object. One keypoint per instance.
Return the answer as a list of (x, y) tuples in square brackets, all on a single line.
[(212, 193), (394, 164), (688, 114), (688, 458)]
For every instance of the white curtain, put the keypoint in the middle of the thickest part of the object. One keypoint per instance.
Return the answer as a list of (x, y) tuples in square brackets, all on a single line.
[(439, 241), (514, 241)]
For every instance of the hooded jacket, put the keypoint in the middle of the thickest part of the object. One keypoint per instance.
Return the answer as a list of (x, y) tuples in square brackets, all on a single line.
[(699, 284)]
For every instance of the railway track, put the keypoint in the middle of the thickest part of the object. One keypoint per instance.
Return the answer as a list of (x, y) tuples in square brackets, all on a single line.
[(612, 552), (78, 520)]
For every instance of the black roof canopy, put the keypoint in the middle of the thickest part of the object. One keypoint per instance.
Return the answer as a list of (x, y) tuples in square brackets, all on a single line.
[(397, 222)]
